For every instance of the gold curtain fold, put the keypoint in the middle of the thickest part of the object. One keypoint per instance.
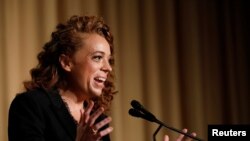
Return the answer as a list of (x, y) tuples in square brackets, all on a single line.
[(186, 61)]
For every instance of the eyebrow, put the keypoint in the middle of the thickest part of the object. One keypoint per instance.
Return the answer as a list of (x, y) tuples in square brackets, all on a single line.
[(102, 52)]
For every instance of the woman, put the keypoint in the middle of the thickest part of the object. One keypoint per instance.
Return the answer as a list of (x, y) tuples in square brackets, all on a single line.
[(71, 87)]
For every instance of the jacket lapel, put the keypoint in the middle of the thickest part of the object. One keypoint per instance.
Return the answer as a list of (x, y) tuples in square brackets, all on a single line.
[(62, 113)]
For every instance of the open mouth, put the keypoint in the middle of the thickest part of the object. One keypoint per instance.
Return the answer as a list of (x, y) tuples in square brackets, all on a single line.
[(100, 79)]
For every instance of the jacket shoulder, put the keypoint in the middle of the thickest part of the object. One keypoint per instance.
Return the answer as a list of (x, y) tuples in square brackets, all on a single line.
[(37, 95), (33, 99)]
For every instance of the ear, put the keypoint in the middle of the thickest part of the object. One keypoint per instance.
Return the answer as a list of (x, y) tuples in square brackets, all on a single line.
[(65, 62)]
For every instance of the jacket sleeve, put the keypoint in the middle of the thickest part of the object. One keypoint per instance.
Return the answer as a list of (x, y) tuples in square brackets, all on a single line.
[(25, 119)]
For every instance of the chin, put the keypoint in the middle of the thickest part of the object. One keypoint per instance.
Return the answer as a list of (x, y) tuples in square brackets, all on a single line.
[(96, 93)]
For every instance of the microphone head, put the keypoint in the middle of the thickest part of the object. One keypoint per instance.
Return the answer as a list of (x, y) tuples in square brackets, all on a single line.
[(134, 113), (135, 104)]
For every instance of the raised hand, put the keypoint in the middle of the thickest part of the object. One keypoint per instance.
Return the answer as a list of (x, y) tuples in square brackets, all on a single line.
[(181, 136), (87, 129)]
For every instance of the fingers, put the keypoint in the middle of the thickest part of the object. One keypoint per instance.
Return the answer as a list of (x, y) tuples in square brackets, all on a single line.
[(88, 128), (166, 138), (102, 123), (104, 132), (88, 111), (82, 117), (189, 139), (193, 134), (89, 119), (100, 133), (95, 115), (185, 138), (181, 135), (80, 128)]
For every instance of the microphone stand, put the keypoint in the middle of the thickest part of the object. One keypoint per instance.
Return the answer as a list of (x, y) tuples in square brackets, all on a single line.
[(139, 111), (156, 131)]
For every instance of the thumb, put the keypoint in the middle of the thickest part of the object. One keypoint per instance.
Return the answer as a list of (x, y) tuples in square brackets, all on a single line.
[(82, 116)]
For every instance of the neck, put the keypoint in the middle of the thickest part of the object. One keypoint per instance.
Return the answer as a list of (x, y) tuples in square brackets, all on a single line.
[(74, 97), (73, 102)]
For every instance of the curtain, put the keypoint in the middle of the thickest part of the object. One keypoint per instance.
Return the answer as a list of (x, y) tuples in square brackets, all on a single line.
[(185, 61)]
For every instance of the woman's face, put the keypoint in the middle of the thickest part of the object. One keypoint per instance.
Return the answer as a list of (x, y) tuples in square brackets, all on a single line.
[(90, 66)]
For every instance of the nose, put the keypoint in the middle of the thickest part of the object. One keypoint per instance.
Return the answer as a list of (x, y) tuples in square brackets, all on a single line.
[(106, 66)]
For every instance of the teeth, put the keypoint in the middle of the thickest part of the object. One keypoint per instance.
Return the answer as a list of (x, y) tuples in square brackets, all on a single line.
[(101, 79)]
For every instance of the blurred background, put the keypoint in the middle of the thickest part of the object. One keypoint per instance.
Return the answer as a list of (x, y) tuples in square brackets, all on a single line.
[(186, 61)]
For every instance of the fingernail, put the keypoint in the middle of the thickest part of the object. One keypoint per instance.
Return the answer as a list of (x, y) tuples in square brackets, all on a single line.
[(101, 109), (109, 118), (111, 129)]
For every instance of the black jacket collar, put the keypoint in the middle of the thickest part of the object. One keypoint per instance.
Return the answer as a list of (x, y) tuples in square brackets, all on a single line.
[(62, 112)]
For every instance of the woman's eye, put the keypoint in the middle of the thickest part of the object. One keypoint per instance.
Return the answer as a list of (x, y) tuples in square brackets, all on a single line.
[(97, 58), (111, 61)]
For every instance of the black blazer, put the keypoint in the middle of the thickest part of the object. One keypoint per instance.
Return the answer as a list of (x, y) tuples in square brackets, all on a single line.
[(39, 115)]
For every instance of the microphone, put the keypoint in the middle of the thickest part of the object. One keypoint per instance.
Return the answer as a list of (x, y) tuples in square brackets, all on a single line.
[(139, 111), (136, 113), (136, 105)]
